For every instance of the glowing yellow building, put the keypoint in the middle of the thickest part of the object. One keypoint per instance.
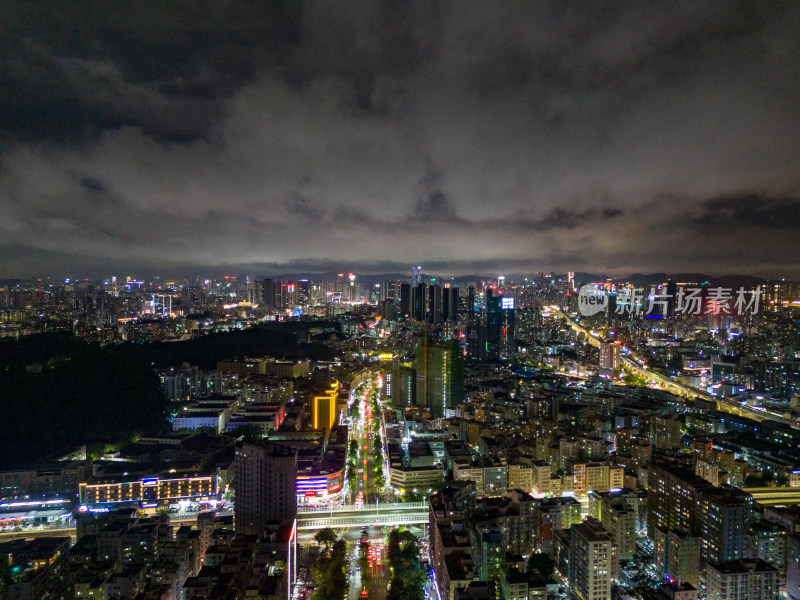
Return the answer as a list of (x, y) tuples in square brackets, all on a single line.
[(324, 408)]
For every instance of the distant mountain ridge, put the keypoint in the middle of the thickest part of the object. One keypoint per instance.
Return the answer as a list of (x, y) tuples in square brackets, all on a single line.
[(638, 279), (642, 279)]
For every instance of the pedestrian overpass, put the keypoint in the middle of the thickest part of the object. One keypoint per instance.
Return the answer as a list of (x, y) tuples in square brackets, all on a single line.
[(349, 515)]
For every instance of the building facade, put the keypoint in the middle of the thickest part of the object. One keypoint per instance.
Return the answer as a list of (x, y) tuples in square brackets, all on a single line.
[(265, 484)]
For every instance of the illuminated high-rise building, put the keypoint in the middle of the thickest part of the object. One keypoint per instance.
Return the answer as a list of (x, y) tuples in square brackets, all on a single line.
[(440, 376), (673, 494), (476, 330), (404, 384), (677, 556), (339, 287), (500, 321), (742, 579), (416, 276), (724, 519), (276, 294), (304, 292), (609, 358), (292, 294), (434, 312), (390, 290), (593, 560), (324, 409)]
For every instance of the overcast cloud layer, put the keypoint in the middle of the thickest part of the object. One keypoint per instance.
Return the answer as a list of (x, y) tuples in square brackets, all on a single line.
[(501, 137)]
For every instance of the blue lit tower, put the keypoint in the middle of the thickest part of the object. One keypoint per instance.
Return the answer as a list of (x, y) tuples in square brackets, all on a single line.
[(500, 321), (416, 276)]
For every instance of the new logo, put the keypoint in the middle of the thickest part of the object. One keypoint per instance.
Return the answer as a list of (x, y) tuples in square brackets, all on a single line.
[(591, 300)]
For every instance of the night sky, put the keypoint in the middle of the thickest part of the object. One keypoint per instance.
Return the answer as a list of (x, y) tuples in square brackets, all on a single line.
[(141, 138)]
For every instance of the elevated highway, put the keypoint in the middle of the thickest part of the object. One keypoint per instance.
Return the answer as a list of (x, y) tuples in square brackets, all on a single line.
[(723, 404), (773, 496)]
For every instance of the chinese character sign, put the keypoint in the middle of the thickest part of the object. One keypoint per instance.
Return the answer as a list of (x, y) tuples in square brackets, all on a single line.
[(686, 301)]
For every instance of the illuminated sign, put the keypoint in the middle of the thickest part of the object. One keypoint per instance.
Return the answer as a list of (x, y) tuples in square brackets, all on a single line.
[(148, 482), (507, 303), (305, 485)]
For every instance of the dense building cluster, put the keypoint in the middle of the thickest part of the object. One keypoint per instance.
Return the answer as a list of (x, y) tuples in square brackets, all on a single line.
[(627, 453)]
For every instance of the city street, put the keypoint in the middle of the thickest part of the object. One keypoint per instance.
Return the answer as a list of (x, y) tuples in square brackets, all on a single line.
[(364, 431), (371, 583)]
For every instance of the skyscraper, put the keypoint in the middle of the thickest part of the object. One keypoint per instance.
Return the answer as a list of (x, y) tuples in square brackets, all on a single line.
[(416, 276), (476, 331), (724, 520), (406, 293), (677, 556), (592, 560), (673, 491), (390, 290), (450, 304), (609, 358), (440, 376), (266, 293), (404, 388), (266, 480), (618, 517), (434, 304), (419, 302), (499, 326), (279, 299)]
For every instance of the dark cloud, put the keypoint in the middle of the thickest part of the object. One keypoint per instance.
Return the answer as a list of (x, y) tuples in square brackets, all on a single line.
[(602, 136), (73, 68), (571, 219), (751, 211), (92, 184), (433, 205)]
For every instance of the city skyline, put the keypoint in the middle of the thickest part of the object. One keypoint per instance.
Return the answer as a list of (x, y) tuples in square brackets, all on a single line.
[(612, 138)]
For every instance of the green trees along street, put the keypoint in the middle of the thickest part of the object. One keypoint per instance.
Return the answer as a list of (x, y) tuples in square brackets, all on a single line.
[(329, 571), (408, 576)]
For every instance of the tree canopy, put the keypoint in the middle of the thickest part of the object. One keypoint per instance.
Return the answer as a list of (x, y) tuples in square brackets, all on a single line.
[(95, 396), (325, 537), (408, 576), (543, 563), (329, 573)]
